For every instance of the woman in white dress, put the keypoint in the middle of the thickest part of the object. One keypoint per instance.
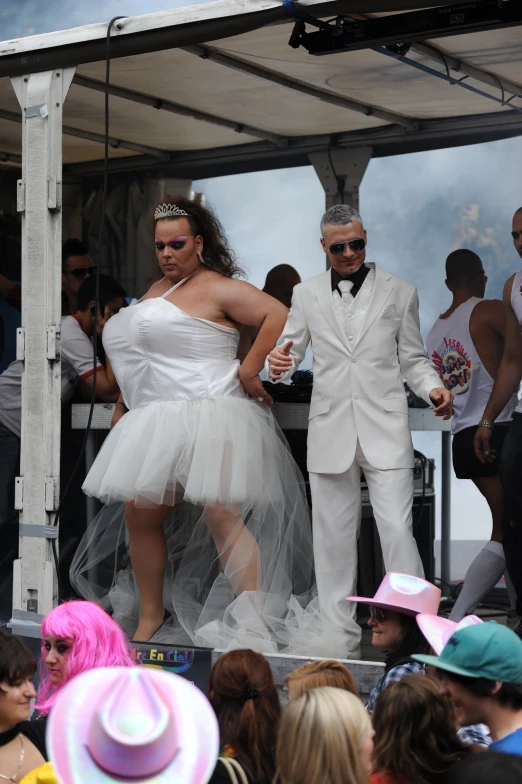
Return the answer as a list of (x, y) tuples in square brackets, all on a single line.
[(218, 526)]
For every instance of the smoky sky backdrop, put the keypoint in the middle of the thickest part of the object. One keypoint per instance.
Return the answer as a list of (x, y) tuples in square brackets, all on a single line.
[(417, 208)]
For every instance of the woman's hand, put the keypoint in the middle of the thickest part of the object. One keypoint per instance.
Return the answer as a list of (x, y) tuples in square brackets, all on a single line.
[(119, 411), (253, 386)]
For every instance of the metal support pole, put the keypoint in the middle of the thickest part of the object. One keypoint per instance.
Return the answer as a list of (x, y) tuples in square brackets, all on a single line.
[(445, 515), (41, 98), (341, 172)]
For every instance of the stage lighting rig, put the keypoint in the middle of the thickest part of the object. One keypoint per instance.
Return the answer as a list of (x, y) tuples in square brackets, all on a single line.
[(397, 30)]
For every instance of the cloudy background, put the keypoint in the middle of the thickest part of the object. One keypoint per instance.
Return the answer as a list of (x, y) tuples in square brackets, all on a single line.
[(417, 208)]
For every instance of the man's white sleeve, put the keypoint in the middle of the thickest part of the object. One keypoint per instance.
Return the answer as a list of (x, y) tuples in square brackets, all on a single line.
[(415, 365), (296, 330)]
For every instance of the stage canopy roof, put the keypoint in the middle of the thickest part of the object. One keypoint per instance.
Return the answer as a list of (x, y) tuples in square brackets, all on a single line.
[(216, 89)]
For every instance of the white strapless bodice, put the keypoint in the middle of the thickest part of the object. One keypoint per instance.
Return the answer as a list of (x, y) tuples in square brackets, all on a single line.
[(160, 353)]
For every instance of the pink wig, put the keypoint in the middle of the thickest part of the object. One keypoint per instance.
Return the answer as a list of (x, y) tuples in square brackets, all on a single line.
[(98, 641)]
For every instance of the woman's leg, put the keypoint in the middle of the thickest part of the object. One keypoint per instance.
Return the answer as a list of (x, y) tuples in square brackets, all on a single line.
[(489, 565), (148, 552), (237, 548)]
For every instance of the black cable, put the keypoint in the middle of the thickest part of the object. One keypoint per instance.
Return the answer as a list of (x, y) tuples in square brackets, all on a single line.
[(105, 188)]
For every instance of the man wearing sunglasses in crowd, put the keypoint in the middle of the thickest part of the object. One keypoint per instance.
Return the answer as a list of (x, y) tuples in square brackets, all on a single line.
[(76, 267), (363, 324), (507, 383)]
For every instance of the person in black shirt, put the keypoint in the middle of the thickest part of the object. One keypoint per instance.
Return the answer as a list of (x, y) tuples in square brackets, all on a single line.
[(22, 743)]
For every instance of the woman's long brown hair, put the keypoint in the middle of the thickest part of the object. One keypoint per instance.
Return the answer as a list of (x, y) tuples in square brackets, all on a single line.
[(245, 699), (415, 732), (217, 253)]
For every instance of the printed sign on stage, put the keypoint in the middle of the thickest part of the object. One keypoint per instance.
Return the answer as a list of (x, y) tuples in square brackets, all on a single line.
[(194, 664)]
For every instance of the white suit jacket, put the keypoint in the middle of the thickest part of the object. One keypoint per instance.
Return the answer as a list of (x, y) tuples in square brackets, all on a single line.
[(358, 390)]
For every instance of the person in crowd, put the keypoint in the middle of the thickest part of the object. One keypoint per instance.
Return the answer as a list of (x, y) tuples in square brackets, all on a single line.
[(325, 735), (487, 769), (415, 734), (480, 670), (364, 325), (437, 632), (316, 674), (77, 636), (77, 373), (162, 722), (77, 265), (399, 598), (279, 284), (506, 384), (22, 743), (188, 445), (470, 334), (244, 697)]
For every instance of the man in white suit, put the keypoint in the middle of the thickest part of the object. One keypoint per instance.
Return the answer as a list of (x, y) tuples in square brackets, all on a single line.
[(363, 323)]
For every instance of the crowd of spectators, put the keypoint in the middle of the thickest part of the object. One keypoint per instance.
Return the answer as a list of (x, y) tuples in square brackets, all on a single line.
[(98, 715)]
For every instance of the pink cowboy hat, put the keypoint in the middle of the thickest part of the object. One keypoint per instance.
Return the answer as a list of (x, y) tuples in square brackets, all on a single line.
[(132, 723), (403, 593), (438, 630)]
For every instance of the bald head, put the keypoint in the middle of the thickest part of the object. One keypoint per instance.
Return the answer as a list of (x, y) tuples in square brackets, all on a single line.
[(464, 270), (280, 283), (516, 231)]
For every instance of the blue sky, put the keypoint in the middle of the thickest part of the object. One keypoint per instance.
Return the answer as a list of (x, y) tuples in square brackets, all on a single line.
[(417, 208)]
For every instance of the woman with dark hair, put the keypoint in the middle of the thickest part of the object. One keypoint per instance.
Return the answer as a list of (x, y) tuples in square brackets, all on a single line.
[(393, 610), (218, 529), (415, 734), (244, 697), (22, 742)]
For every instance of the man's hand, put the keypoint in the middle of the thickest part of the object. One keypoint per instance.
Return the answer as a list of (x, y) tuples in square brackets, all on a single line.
[(482, 444), (442, 399), (253, 386), (279, 360)]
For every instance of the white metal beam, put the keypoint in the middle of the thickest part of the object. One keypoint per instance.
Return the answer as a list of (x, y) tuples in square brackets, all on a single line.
[(341, 172), (41, 98), (173, 28)]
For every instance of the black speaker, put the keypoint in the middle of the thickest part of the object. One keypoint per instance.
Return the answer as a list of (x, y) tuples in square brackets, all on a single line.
[(371, 565)]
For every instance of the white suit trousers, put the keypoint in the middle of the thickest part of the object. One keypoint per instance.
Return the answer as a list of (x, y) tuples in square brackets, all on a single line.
[(336, 513)]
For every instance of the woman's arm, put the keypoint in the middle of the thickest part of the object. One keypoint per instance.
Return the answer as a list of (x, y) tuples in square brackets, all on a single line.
[(120, 410), (244, 304)]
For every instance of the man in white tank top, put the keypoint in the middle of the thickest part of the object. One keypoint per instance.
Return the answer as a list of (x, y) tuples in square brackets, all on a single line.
[(465, 344), (507, 383)]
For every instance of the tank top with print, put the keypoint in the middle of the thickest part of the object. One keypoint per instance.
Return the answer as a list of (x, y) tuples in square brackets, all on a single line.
[(460, 368)]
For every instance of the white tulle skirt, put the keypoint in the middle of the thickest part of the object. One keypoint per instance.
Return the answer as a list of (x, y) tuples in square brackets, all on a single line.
[(199, 456)]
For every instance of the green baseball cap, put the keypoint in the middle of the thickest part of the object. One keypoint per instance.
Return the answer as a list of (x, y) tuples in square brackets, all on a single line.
[(486, 650)]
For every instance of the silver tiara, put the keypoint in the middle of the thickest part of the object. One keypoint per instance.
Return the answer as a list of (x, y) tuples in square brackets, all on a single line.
[(169, 211)]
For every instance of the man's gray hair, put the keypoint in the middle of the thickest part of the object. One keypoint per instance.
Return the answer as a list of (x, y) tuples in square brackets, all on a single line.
[(339, 215)]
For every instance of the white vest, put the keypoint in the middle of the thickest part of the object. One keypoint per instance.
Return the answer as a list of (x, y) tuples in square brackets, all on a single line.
[(460, 368), (351, 311), (516, 304)]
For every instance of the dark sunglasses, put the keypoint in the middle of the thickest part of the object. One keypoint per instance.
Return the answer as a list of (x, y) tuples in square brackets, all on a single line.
[(177, 244), (81, 272), (378, 614), (336, 248)]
